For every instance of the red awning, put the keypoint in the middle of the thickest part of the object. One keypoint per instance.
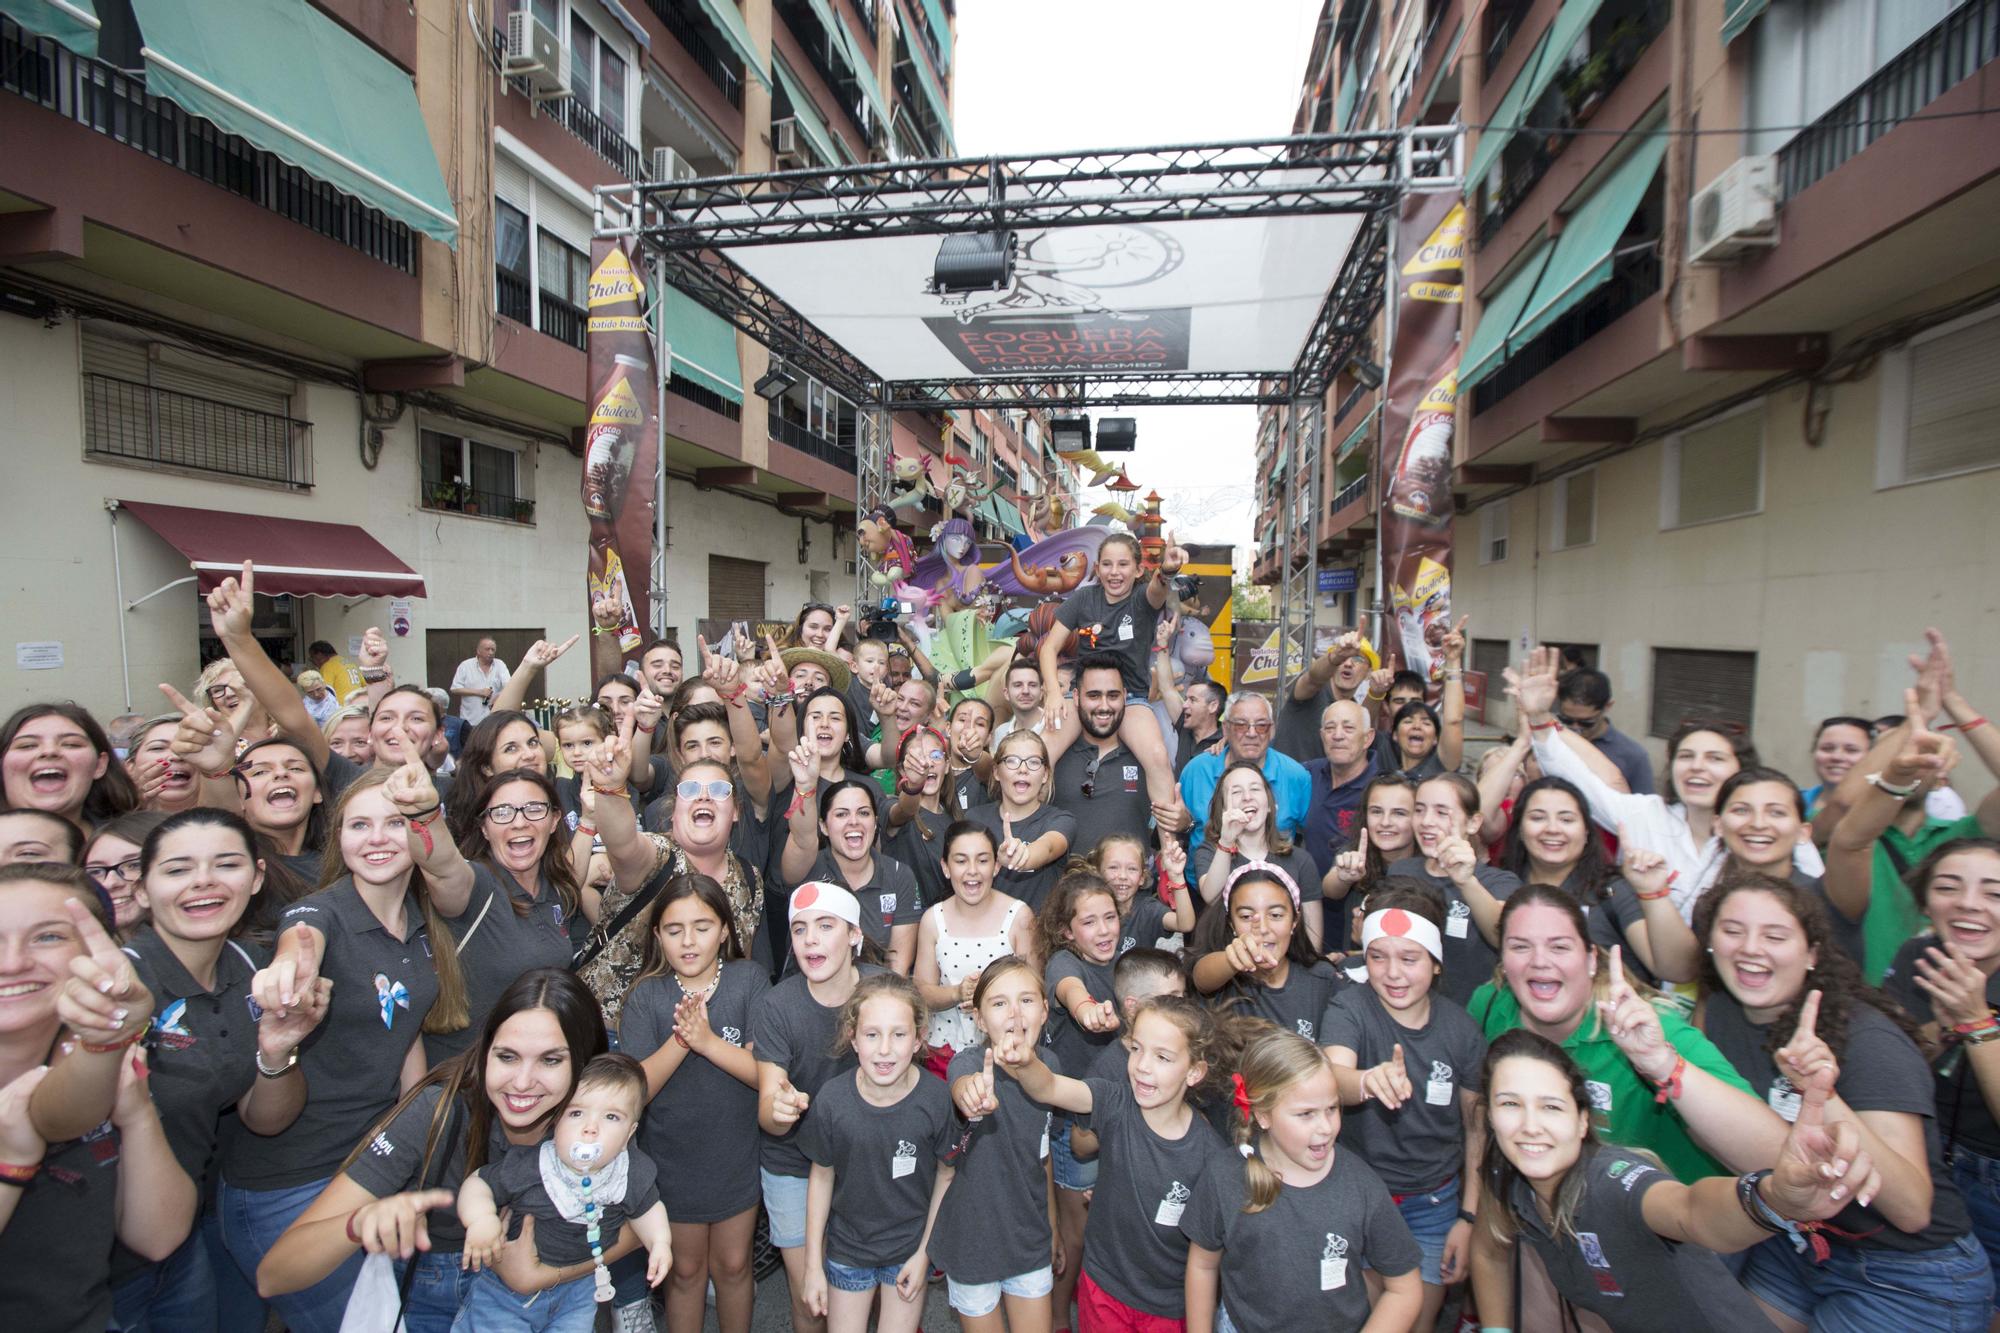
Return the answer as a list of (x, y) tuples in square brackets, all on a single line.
[(294, 555)]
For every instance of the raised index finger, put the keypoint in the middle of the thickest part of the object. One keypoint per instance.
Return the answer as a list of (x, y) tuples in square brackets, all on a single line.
[(181, 701), (249, 580), (1617, 969), (1808, 1017), (701, 643)]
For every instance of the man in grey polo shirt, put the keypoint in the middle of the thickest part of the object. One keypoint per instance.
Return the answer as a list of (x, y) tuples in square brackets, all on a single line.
[(1097, 780), (1583, 700)]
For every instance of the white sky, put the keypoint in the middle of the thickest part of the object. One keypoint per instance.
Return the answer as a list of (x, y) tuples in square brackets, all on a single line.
[(1055, 75)]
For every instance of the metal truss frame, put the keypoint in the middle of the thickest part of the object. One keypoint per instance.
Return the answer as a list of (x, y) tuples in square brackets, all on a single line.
[(686, 227)]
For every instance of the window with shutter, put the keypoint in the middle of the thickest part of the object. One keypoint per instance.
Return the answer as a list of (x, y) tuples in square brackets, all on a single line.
[(1493, 533), (1951, 417), (1701, 683), (1489, 657), (1715, 471), (164, 405), (735, 588), (1575, 518)]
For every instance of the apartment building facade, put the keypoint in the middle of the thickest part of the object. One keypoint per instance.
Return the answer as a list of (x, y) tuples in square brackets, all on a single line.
[(275, 264), (1726, 415)]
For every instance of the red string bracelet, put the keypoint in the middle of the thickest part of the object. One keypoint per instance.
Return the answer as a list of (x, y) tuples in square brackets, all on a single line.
[(1670, 1086)]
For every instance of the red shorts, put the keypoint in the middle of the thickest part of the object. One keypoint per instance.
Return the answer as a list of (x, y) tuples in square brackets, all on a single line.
[(1098, 1311)]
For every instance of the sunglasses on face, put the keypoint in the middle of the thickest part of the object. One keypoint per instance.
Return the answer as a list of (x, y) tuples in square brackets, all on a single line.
[(715, 789), (536, 812)]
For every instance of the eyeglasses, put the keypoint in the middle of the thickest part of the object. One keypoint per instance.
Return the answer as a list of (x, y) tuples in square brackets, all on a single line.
[(536, 811), (125, 871), (1090, 775), (1023, 763), (715, 789), (1254, 728), (218, 693)]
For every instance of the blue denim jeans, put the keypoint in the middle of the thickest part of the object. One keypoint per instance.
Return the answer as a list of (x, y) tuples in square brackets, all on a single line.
[(1864, 1290), (491, 1307), (175, 1295), (252, 1221), (238, 1307), (436, 1293), (1978, 1180)]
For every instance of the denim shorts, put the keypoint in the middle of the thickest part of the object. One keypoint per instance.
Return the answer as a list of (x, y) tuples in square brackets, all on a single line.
[(1978, 1180), (975, 1300), (1431, 1218), (1070, 1173), (842, 1278), (785, 1203), (491, 1307), (1864, 1290)]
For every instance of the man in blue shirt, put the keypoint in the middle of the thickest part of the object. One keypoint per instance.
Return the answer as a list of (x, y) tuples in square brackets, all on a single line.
[(1583, 701), (1246, 728), (1339, 777)]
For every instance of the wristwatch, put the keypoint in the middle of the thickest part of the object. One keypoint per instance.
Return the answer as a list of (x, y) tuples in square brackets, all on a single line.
[(291, 1061)]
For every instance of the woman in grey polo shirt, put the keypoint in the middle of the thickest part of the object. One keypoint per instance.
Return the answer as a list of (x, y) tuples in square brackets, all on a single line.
[(397, 1189), (378, 933)]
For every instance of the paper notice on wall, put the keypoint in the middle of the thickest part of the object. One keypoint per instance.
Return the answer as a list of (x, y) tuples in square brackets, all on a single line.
[(399, 618), (46, 655), (354, 645)]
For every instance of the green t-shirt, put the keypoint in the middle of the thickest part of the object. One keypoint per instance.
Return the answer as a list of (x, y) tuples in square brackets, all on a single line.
[(1622, 1106), (1893, 916)]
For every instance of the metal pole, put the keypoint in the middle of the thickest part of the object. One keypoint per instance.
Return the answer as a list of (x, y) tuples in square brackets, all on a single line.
[(1288, 525), (118, 581), (662, 370), (1391, 294)]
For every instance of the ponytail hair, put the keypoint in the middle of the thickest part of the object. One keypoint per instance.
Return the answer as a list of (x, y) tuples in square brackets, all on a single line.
[(452, 1011), (1272, 1065)]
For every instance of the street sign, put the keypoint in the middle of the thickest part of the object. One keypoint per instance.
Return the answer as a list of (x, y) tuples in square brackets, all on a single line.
[(1339, 580)]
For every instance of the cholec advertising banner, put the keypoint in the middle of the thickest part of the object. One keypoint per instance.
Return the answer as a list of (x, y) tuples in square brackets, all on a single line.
[(622, 443), (1420, 423)]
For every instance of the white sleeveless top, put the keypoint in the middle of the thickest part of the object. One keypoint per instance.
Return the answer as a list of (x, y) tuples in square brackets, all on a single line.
[(958, 957)]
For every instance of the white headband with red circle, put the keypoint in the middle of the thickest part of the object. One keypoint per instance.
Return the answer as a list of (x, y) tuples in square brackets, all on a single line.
[(1395, 923)]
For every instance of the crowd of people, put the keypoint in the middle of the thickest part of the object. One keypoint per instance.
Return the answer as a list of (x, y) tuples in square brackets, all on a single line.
[(1288, 1013)]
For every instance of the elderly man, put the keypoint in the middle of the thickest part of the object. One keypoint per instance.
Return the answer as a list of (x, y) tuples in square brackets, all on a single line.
[(477, 681), (1339, 777), (1246, 729)]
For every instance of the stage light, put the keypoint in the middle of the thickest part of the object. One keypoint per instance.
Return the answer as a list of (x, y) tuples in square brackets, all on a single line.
[(1366, 373), (773, 383), (1117, 435), (1071, 435), (981, 261)]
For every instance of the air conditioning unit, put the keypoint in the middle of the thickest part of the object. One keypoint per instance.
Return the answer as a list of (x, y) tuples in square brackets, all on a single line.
[(669, 165), (785, 137), (535, 54), (1735, 214)]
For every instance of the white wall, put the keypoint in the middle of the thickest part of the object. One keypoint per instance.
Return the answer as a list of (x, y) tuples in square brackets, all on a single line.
[(1831, 586), (56, 568), (715, 522)]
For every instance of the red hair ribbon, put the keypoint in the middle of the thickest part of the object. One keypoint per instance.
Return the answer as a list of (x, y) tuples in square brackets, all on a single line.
[(1242, 1096)]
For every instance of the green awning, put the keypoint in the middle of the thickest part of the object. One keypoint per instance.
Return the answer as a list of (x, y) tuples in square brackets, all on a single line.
[(1010, 515), (1444, 66), (856, 59), (726, 16), (1502, 119), (1581, 260), (940, 108), (1535, 77), (1738, 15), (941, 29), (293, 82), (704, 346), (990, 511), (1486, 346), (1353, 441), (831, 150), (71, 22)]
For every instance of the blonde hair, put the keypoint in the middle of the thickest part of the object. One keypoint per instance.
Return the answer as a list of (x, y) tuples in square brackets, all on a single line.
[(892, 984), (1272, 1065), (452, 1010), (340, 716)]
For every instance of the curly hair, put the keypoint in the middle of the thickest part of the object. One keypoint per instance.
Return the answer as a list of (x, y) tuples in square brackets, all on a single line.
[(1835, 976)]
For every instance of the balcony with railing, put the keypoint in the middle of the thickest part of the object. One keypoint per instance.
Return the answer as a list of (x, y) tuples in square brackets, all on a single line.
[(917, 21), (117, 105), (818, 44), (1635, 278), (812, 443), (1956, 49), (455, 497), (511, 296), (1348, 494), (561, 320), (603, 139), (1614, 43), (722, 71), (130, 422), (865, 11)]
